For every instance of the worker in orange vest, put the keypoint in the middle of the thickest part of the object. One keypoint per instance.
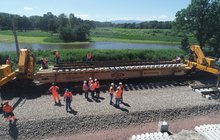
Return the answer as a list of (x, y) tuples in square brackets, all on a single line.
[(44, 63), (117, 97), (122, 91), (92, 88), (111, 92), (97, 88), (8, 111), (54, 90), (68, 96), (57, 56), (85, 89), (88, 58), (8, 61)]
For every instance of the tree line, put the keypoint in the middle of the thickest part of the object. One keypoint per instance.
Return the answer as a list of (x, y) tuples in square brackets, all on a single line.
[(69, 28), (143, 25)]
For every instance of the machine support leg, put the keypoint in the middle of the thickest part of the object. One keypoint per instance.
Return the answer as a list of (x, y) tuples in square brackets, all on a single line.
[(217, 84)]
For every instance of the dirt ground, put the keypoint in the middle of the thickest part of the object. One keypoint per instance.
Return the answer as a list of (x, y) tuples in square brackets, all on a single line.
[(181, 129)]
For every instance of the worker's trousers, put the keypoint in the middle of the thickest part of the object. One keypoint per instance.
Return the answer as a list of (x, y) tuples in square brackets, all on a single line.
[(86, 94), (97, 91), (117, 102), (56, 97), (68, 105), (111, 96)]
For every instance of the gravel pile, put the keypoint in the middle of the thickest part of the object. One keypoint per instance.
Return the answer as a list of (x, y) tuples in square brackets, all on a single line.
[(39, 118)]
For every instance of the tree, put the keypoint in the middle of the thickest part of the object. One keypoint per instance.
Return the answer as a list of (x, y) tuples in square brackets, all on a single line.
[(194, 20), (185, 43)]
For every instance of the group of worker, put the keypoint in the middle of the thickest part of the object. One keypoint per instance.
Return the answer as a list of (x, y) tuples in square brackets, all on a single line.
[(118, 92), (93, 87)]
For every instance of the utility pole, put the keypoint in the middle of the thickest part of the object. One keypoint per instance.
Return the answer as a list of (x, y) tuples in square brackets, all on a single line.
[(15, 36)]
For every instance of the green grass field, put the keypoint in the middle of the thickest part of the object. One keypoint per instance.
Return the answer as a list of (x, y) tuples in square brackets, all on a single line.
[(149, 36)]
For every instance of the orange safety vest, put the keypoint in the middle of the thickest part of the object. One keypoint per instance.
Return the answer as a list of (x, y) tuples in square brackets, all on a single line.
[(111, 90), (7, 108), (118, 94), (88, 55), (85, 87), (97, 85), (68, 95), (92, 87), (54, 89)]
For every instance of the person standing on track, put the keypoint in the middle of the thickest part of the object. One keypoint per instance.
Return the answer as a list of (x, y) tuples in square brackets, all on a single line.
[(54, 90), (89, 58), (68, 96), (57, 56), (97, 88), (117, 97), (8, 110), (111, 92), (85, 89)]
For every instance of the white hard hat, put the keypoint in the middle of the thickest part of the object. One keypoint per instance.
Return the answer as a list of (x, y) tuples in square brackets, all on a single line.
[(118, 87), (95, 79), (112, 84), (120, 83), (90, 78), (85, 81)]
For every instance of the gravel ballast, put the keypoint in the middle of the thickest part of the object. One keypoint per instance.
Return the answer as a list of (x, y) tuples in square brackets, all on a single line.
[(39, 118)]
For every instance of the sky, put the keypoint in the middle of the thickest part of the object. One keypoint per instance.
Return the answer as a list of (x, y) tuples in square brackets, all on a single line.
[(98, 10)]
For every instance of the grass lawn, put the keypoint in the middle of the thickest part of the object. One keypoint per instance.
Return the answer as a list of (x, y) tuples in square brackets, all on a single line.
[(148, 36)]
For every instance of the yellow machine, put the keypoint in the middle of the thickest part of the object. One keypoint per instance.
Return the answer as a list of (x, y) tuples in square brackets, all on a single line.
[(200, 62), (26, 68)]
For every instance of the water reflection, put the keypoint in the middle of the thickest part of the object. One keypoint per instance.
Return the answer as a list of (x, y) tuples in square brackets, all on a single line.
[(93, 45)]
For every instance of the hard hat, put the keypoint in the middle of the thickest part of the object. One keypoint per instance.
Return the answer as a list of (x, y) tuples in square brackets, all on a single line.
[(120, 83), (95, 79), (67, 89), (112, 84), (90, 78), (85, 82), (118, 87), (53, 83), (92, 81), (5, 102)]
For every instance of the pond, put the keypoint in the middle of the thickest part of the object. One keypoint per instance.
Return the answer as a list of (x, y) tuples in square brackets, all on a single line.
[(93, 45)]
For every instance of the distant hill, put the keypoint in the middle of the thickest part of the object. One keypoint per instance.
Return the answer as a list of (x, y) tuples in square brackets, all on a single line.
[(125, 21)]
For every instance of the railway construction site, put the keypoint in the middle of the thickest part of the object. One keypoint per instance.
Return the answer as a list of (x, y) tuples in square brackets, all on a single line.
[(152, 92), (146, 101)]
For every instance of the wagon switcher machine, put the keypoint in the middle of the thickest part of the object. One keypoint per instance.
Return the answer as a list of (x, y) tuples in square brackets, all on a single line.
[(79, 71)]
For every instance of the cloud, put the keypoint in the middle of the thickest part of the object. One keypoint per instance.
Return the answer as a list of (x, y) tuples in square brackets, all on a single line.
[(28, 8), (163, 17), (82, 16)]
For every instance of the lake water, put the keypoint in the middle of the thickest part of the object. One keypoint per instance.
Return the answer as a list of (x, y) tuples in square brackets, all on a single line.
[(93, 45)]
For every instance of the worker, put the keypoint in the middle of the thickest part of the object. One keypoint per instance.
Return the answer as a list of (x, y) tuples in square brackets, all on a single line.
[(8, 61), (68, 96), (178, 59), (8, 110), (92, 88), (54, 90), (90, 81), (117, 96), (89, 58), (44, 63), (57, 56), (85, 89), (111, 92), (122, 91), (97, 88)]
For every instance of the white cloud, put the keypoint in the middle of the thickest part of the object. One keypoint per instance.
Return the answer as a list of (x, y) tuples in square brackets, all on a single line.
[(82, 16), (28, 8), (163, 17)]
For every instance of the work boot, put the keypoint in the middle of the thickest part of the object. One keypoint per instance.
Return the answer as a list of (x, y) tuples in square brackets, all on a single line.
[(59, 102)]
